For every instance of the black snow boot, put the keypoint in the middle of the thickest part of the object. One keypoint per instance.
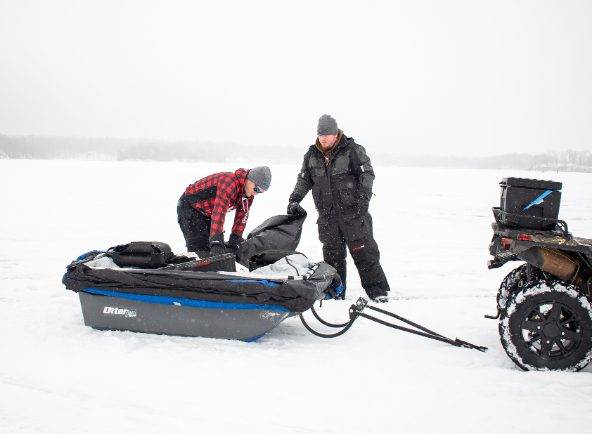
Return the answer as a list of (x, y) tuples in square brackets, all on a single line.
[(378, 294)]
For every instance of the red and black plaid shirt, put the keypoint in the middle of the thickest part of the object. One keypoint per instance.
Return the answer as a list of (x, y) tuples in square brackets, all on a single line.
[(219, 193)]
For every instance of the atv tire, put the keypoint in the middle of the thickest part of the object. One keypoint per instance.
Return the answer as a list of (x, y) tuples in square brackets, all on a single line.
[(517, 279), (547, 326)]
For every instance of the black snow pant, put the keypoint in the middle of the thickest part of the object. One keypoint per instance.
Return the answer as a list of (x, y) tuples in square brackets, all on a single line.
[(337, 232), (195, 227)]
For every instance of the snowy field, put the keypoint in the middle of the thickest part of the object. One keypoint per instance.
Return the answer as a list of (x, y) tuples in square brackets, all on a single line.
[(433, 229)]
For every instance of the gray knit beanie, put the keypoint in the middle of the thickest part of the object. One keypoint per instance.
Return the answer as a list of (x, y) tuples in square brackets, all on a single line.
[(327, 126), (261, 176)]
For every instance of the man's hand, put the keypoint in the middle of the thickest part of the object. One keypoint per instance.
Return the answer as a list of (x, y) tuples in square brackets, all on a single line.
[(217, 246), (294, 208), (234, 242)]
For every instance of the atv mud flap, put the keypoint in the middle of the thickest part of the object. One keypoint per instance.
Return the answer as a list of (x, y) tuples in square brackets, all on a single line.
[(113, 310)]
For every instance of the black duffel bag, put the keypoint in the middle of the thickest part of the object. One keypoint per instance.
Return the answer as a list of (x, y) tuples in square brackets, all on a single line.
[(276, 237), (141, 254)]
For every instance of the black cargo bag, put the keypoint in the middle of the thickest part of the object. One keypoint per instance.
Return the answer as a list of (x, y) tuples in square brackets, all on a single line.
[(276, 237), (141, 254)]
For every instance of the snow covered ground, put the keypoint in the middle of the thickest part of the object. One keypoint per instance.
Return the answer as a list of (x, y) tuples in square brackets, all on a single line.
[(433, 229)]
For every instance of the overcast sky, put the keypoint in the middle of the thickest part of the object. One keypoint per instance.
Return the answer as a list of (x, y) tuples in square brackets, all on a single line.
[(442, 77)]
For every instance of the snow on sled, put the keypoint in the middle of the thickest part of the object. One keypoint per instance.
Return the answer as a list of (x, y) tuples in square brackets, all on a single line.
[(144, 287)]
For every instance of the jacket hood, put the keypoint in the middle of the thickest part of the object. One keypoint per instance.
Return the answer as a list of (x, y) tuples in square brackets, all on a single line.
[(241, 175), (241, 179)]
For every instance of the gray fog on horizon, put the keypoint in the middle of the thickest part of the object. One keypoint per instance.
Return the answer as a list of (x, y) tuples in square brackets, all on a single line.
[(468, 77)]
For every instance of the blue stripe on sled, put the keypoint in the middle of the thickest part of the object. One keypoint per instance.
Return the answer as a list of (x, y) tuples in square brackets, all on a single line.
[(179, 301), (263, 282)]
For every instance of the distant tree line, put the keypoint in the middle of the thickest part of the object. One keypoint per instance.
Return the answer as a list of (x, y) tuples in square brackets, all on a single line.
[(564, 161), (53, 147)]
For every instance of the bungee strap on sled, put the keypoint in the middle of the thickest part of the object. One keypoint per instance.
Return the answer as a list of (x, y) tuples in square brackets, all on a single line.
[(356, 311)]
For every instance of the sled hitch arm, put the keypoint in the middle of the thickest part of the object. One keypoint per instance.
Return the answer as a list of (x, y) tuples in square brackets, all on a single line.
[(356, 311)]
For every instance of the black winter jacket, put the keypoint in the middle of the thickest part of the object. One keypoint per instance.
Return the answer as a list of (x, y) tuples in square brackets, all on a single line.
[(341, 180)]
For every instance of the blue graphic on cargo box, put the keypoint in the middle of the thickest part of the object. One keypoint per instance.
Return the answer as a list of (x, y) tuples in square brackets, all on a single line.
[(538, 200)]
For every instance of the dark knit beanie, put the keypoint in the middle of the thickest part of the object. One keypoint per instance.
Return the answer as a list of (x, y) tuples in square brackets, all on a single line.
[(327, 126), (261, 176)]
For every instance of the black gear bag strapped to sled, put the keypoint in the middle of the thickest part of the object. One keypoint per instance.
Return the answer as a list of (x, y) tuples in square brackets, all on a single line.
[(141, 254)]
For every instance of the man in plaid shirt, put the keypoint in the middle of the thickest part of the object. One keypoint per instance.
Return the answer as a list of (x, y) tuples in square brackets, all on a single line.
[(202, 208)]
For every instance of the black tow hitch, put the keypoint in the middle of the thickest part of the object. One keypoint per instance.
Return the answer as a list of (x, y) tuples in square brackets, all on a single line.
[(356, 311)]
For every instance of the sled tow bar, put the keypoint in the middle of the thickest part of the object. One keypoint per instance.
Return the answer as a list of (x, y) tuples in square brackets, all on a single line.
[(356, 311)]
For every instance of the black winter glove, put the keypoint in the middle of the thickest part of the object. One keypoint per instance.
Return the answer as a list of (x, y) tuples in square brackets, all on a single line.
[(217, 246), (294, 208), (234, 242)]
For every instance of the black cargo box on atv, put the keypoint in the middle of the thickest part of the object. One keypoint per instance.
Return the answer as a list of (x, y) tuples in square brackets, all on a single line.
[(528, 203)]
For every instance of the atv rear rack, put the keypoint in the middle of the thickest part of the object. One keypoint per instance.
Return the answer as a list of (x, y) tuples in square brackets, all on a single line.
[(561, 225)]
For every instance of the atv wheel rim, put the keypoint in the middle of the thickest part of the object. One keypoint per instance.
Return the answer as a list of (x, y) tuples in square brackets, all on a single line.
[(551, 330)]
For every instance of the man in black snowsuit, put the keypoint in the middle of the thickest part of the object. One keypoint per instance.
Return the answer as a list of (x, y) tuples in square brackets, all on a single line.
[(340, 175)]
